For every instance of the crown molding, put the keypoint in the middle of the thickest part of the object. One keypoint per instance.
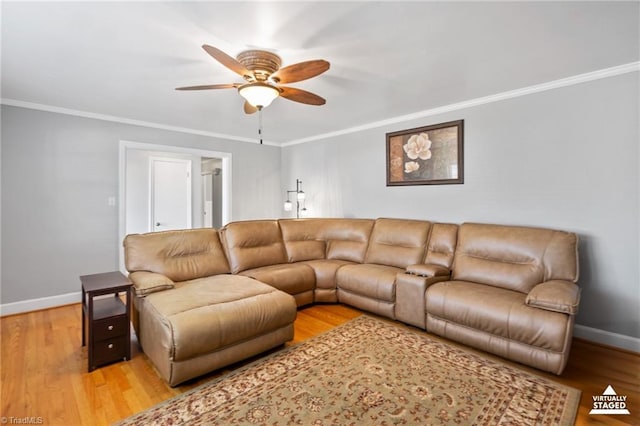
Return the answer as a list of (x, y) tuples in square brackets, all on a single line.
[(122, 120), (555, 84)]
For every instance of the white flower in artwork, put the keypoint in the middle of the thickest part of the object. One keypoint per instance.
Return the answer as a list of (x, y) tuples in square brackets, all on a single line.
[(418, 146), (411, 166)]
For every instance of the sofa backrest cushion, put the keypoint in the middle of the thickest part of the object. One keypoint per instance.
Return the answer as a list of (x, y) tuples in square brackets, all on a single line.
[(397, 242), (442, 244), (513, 257), (179, 255), (302, 239), (311, 239), (253, 243)]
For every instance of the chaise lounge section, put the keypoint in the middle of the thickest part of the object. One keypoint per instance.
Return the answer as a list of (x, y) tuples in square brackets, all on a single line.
[(507, 290), (190, 315)]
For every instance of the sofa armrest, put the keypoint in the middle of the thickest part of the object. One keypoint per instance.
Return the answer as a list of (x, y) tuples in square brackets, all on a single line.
[(410, 297), (556, 295), (428, 270), (145, 282)]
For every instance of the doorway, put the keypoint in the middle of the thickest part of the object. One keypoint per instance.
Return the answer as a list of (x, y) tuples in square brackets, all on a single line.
[(135, 200), (211, 175)]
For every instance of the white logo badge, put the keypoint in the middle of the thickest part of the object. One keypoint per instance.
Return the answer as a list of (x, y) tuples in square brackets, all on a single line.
[(609, 403)]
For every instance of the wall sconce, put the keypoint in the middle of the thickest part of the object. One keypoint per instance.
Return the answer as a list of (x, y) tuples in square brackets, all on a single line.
[(301, 210)]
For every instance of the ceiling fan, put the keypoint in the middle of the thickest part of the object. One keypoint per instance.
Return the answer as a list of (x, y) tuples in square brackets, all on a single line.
[(263, 75)]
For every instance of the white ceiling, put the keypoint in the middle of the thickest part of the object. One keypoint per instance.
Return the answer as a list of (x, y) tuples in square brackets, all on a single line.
[(388, 59)]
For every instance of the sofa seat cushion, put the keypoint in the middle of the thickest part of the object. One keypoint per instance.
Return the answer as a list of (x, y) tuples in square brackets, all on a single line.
[(292, 278), (325, 270), (206, 314), (369, 280), (496, 311)]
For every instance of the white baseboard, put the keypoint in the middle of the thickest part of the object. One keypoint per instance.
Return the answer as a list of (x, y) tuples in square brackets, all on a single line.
[(581, 331), (40, 303), (607, 338)]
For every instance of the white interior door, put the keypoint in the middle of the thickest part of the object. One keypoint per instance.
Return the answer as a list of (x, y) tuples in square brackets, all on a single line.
[(170, 194)]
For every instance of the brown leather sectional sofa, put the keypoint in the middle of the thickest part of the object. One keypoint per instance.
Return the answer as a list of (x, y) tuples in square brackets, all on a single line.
[(205, 299)]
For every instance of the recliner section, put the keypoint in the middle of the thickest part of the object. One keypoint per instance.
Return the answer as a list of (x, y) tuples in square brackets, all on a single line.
[(394, 244), (498, 316), (190, 314)]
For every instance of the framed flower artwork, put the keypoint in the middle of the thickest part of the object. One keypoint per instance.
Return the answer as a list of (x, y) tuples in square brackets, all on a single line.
[(431, 155)]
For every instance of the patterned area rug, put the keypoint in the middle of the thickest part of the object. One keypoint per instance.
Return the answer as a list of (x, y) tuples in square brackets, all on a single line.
[(370, 372)]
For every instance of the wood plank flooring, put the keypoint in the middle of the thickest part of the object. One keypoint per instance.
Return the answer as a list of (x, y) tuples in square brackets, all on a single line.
[(44, 372)]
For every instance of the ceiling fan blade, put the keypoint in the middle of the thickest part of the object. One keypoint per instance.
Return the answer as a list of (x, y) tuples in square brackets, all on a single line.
[(211, 86), (300, 71), (302, 96), (249, 109), (227, 60)]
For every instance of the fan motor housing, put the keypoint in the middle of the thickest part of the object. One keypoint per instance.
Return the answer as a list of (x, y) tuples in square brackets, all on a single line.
[(261, 62)]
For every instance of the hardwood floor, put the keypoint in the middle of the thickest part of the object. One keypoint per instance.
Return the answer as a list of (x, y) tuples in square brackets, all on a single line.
[(44, 372)]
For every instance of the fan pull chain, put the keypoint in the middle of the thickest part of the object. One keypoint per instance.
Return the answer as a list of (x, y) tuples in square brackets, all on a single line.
[(260, 124)]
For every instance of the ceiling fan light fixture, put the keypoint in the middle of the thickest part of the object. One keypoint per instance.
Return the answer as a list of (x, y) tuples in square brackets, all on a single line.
[(259, 94), (263, 75)]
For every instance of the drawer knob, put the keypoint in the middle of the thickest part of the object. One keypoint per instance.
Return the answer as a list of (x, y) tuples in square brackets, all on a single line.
[(110, 328), (110, 346)]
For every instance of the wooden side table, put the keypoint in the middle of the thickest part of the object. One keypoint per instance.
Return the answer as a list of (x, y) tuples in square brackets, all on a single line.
[(105, 320)]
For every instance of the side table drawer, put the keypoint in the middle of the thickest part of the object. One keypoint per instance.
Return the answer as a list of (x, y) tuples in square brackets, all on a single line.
[(110, 328), (110, 350)]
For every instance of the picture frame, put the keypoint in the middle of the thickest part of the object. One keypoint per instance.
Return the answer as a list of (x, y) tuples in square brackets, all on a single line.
[(429, 155)]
